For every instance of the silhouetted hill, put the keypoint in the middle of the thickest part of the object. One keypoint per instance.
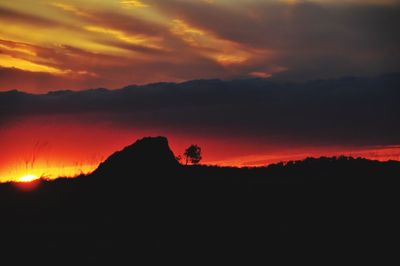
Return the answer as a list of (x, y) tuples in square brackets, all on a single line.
[(151, 160), (140, 203), (148, 154)]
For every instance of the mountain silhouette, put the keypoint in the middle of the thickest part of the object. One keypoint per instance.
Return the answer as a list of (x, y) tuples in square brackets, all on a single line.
[(141, 203), (329, 112), (148, 154), (151, 160)]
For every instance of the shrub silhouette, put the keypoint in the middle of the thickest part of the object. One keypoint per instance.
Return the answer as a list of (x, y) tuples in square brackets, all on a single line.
[(193, 154)]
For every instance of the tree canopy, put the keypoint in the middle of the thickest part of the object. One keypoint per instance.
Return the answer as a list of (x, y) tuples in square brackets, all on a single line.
[(193, 154)]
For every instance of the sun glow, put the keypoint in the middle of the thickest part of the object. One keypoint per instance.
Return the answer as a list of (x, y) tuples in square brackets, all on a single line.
[(19, 174), (28, 178)]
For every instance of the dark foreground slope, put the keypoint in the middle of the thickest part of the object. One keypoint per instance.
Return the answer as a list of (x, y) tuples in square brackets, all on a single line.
[(140, 203)]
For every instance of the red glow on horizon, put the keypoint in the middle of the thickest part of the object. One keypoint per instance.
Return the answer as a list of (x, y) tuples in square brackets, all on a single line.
[(27, 183), (46, 148)]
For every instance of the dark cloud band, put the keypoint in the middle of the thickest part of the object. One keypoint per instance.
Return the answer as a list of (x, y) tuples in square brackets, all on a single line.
[(347, 111)]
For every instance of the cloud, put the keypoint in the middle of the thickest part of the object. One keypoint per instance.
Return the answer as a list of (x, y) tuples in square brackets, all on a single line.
[(344, 38), (133, 4), (72, 9), (347, 111), (137, 39), (21, 17), (222, 51), (125, 42), (12, 78)]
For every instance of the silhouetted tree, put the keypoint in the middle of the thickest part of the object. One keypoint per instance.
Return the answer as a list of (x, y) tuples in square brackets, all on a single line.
[(193, 154)]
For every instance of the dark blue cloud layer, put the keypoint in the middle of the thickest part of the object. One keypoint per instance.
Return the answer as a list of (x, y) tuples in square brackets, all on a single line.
[(346, 111)]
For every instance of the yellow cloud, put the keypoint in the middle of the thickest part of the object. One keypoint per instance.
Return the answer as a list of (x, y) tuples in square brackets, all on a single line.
[(11, 62), (27, 65), (45, 37), (17, 48), (191, 35), (70, 8), (138, 39), (133, 3), (222, 51)]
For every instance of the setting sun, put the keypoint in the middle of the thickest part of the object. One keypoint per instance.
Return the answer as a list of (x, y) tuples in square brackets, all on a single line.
[(28, 178)]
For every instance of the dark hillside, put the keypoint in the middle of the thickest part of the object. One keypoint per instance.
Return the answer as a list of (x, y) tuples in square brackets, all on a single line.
[(141, 203)]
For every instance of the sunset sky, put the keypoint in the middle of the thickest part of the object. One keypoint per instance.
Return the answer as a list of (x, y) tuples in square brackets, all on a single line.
[(88, 44), (79, 44)]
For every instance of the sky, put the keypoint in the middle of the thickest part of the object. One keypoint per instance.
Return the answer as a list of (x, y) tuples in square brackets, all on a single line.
[(79, 44), (250, 122), (48, 46)]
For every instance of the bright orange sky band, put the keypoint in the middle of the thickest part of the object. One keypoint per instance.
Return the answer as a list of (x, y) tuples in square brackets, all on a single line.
[(44, 148)]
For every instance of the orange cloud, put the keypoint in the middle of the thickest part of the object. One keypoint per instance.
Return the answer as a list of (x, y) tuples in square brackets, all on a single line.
[(139, 39), (224, 52), (13, 47), (133, 3), (8, 61), (131, 41), (71, 8)]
